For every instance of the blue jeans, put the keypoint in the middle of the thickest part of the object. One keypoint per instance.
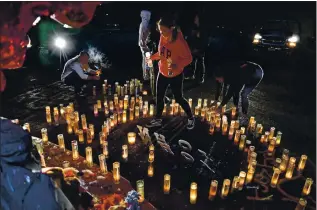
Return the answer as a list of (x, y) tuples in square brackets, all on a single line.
[(247, 89)]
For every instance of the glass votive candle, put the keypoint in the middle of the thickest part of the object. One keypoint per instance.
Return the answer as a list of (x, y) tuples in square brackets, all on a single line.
[(80, 133), (131, 138), (61, 142), (235, 184), (278, 137), (125, 102), (275, 177), (223, 109), (234, 111), (193, 192), (75, 150), (242, 176), (140, 189), (99, 104), (208, 116), (151, 156), (94, 90), (125, 152), (203, 113), (176, 109), (171, 110), (197, 108), (102, 138), (271, 147), (272, 131), (225, 188), (237, 136), (224, 128), (89, 156), (103, 164), (150, 170), (44, 135), (62, 109), (242, 129), (131, 114), (167, 184), (137, 112), (205, 104), (284, 163), (290, 168), (199, 102), (105, 149), (92, 130), (89, 137), (250, 175), (302, 163), (48, 114), (111, 106), (190, 102), (301, 205), (151, 110), (266, 135), (39, 146), (307, 187), (95, 109), (231, 130), (259, 129), (242, 142), (56, 115), (213, 189), (251, 149), (116, 172), (212, 129), (124, 116), (218, 122), (277, 163), (83, 122)]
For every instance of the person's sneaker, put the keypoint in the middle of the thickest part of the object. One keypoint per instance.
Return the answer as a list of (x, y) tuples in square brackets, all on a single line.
[(191, 123), (154, 123)]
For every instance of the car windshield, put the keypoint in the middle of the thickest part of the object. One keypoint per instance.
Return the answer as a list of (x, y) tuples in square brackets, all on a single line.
[(276, 25)]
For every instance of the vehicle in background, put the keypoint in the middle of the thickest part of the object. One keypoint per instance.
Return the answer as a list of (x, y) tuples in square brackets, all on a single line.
[(277, 35)]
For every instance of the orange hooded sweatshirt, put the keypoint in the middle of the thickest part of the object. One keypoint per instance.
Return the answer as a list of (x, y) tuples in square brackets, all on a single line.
[(177, 52)]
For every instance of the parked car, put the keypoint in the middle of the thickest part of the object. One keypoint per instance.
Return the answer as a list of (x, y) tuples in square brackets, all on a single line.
[(277, 35)]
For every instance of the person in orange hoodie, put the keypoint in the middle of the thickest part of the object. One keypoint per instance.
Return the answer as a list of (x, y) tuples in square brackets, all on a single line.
[(173, 55)]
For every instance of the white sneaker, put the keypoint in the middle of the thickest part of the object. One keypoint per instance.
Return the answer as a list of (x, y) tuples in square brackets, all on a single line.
[(191, 123), (154, 123)]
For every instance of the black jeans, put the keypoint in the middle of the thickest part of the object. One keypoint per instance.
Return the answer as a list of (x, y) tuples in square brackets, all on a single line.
[(74, 80), (199, 67), (176, 85)]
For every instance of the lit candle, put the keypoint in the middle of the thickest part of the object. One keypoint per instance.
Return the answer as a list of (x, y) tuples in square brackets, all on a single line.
[(272, 130), (76, 114), (252, 165), (116, 100), (151, 110), (262, 140), (213, 189), (115, 119), (250, 174), (95, 109), (116, 172), (125, 102), (275, 177), (92, 130), (190, 102), (234, 111), (307, 187), (75, 150), (237, 136), (193, 192), (150, 170), (124, 116), (137, 112), (223, 109), (111, 121), (285, 159), (199, 102), (253, 156), (290, 168), (89, 156), (62, 110), (102, 138), (56, 116), (242, 142), (151, 156), (271, 147), (167, 184), (111, 106), (176, 109), (80, 136), (302, 162), (83, 121), (44, 135), (251, 149), (61, 142), (205, 102), (208, 116), (39, 145), (278, 137), (235, 184), (99, 104), (253, 126), (94, 90), (218, 104), (242, 129), (105, 149), (224, 127), (259, 128), (171, 111), (125, 151), (121, 104), (140, 189), (48, 114), (242, 176), (131, 138), (301, 205), (277, 163), (203, 113), (236, 125), (197, 110), (218, 122), (27, 127), (164, 110), (89, 137), (104, 89), (225, 188), (212, 129)]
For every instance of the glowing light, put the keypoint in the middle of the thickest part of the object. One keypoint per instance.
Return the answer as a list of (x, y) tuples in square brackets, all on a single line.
[(60, 42), (37, 20), (257, 36)]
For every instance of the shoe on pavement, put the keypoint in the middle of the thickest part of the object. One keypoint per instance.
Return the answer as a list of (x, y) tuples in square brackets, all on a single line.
[(191, 123), (154, 123)]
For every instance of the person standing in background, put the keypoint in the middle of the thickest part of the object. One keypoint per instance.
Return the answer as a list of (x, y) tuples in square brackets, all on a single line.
[(174, 54), (144, 35), (197, 41)]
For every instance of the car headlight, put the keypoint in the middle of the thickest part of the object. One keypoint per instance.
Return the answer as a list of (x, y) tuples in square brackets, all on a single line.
[(293, 39), (257, 36)]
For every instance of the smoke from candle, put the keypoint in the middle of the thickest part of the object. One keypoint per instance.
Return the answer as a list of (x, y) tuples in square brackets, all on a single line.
[(98, 57)]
